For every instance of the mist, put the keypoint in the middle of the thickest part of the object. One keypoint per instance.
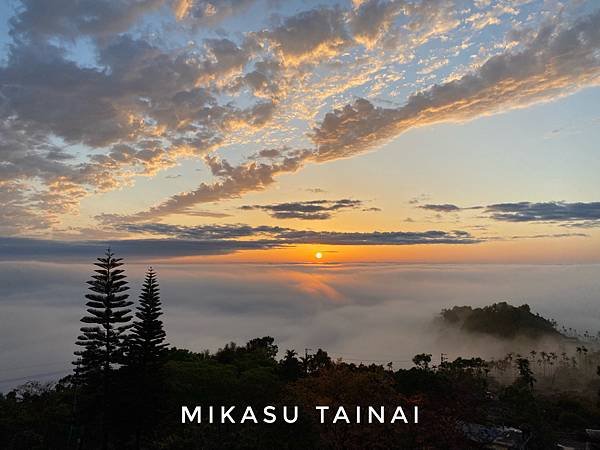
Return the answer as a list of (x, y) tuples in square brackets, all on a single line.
[(358, 312)]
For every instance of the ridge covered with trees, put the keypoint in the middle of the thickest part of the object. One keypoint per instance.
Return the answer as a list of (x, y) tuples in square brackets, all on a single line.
[(501, 320)]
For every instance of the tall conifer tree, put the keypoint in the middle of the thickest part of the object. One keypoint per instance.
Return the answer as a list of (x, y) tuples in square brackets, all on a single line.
[(147, 352), (147, 342), (103, 341)]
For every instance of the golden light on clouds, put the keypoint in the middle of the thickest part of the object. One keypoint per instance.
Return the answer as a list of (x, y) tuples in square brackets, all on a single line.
[(526, 251), (245, 112), (182, 8)]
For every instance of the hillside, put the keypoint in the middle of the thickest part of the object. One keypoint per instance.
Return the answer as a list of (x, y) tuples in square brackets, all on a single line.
[(501, 320)]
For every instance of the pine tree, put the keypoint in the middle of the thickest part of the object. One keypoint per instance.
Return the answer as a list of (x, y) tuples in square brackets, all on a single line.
[(147, 346), (147, 353), (103, 342)]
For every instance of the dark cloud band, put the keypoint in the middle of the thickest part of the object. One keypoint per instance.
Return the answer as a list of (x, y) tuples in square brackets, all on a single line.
[(177, 241), (444, 208), (572, 214), (545, 212), (307, 210)]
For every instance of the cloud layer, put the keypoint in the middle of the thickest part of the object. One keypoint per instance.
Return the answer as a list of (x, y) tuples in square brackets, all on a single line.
[(444, 208), (569, 214), (353, 311), (308, 210), (94, 94), (176, 241), (546, 212), (556, 62)]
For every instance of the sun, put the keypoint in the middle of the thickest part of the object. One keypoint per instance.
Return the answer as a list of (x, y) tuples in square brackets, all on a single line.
[(318, 255)]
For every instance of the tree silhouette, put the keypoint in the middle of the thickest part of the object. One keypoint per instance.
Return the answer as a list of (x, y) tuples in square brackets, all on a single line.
[(103, 342), (290, 366), (316, 362), (147, 352), (109, 314), (422, 361), (147, 340), (526, 377)]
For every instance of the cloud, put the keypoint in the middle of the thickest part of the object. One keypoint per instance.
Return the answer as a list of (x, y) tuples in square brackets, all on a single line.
[(234, 181), (379, 238), (72, 18), (445, 208), (290, 236), (430, 19), (142, 111), (40, 250), (204, 213), (480, 20), (559, 212), (309, 36), (213, 232), (307, 210), (377, 306), (418, 199), (553, 236), (177, 241), (373, 19), (213, 12), (432, 65), (579, 214), (93, 94), (559, 61), (18, 212)]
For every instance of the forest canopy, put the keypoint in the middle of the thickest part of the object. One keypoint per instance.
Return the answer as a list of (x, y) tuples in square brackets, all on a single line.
[(501, 319)]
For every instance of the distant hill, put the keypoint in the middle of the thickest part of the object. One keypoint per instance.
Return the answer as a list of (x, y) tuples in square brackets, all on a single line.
[(501, 320)]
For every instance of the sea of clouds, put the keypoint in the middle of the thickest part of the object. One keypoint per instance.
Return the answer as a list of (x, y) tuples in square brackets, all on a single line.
[(357, 312)]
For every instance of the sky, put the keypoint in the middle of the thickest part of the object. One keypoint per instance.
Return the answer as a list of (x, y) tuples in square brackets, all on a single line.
[(268, 131)]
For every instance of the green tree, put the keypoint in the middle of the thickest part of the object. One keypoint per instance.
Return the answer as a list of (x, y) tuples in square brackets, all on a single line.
[(103, 342), (147, 340), (147, 354), (314, 363), (263, 345), (103, 338), (526, 377), (422, 361), (290, 366)]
